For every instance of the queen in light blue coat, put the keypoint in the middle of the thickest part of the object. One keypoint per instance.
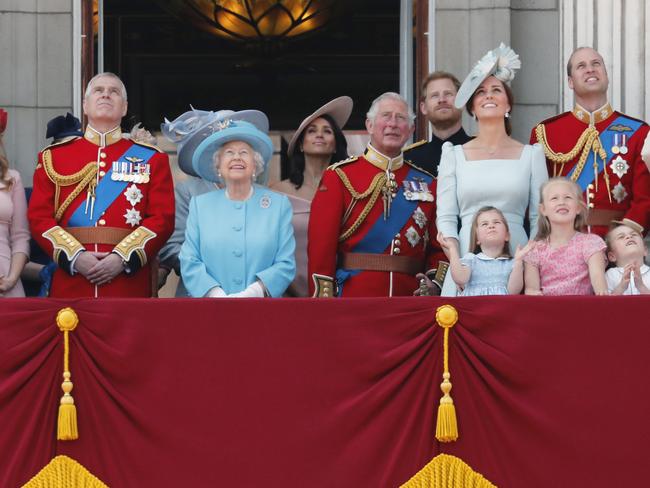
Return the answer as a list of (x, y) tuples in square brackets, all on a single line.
[(239, 240)]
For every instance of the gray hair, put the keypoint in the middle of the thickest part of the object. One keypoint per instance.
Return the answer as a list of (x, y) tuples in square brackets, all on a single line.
[(106, 74), (257, 158), (374, 107)]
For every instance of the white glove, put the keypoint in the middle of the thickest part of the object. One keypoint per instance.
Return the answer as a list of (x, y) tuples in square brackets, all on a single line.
[(253, 291), (216, 292)]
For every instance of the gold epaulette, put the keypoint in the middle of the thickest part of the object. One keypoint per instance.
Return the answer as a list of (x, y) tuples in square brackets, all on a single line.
[(342, 162), (134, 243), (414, 145), (144, 144), (61, 142), (413, 165), (63, 241)]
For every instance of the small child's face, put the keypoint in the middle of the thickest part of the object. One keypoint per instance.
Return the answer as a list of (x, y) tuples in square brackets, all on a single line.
[(625, 244), (560, 202), (490, 228)]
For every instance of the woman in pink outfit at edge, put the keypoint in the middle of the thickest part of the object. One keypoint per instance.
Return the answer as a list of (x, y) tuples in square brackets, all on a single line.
[(14, 229)]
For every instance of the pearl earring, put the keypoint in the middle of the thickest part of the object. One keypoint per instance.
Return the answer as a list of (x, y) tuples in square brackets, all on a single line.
[(507, 115)]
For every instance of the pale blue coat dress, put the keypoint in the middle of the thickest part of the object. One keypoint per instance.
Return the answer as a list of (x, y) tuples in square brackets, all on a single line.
[(232, 244), (511, 185)]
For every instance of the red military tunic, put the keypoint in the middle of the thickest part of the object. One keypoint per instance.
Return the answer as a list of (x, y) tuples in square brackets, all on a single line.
[(135, 225), (334, 213), (629, 180)]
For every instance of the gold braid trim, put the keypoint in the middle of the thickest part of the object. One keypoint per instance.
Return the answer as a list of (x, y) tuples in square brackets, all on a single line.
[(63, 472), (373, 190), (86, 177)]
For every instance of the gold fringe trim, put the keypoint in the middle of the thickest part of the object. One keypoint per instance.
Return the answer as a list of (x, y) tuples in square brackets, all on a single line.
[(64, 472), (66, 321), (446, 424), (445, 471)]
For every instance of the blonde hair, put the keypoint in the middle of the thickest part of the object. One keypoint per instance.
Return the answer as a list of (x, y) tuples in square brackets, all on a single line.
[(544, 225), (474, 245), (4, 168)]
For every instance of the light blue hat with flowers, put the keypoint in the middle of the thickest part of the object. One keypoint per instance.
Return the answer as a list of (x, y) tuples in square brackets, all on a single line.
[(190, 129), (229, 130)]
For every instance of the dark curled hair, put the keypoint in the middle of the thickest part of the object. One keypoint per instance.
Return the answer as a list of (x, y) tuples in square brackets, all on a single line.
[(297, 159)]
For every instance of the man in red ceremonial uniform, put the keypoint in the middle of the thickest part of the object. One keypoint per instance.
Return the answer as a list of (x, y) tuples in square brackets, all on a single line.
[(102, 205), (373, 216), (598, 148)]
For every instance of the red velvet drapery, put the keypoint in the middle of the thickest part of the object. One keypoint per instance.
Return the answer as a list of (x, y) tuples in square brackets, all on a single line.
[(329, 393)]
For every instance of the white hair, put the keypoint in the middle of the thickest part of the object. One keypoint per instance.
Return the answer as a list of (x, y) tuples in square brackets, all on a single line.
[(257, 158), (374, 107), (106, 74)]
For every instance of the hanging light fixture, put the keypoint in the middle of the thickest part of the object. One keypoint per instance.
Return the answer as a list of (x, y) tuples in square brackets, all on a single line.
[(255, 20)]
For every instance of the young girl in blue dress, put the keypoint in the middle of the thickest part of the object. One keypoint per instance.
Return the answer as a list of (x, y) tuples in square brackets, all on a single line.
[(489, 269)]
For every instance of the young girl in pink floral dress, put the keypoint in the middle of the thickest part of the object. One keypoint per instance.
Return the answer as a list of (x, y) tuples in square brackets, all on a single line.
[(564, 261)]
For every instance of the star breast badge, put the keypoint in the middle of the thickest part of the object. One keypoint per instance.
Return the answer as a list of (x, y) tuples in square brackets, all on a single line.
[(133, 195), (619, 193), (132, 217)]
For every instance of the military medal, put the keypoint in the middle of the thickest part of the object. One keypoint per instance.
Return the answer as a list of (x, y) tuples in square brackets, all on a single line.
[(619, 166), (623, 147), (616, 148), (132, 217)]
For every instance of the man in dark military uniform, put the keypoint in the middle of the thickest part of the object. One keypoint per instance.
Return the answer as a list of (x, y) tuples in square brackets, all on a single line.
[(373, 218), (102, 205), (437, 103), (598, 148)]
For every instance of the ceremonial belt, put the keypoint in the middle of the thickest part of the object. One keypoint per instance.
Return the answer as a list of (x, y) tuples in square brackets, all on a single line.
[(381, 262), (98, 235), (604, 217), (108, 190)]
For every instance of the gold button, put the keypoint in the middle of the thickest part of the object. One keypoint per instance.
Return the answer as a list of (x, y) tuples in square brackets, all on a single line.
[(136, 233), (326, 295), (102, 164), (61, 233), (102, 173), (397, 242), (102, 155), (102, 222), (397, 251)]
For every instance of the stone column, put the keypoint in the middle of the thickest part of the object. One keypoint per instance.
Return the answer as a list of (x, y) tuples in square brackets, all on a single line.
[(36, 75)]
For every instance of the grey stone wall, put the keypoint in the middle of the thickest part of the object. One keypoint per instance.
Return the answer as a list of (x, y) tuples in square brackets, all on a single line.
[(36, 74), (467, 29)]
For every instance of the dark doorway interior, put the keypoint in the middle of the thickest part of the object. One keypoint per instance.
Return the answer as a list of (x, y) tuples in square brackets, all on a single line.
[(168, 64)]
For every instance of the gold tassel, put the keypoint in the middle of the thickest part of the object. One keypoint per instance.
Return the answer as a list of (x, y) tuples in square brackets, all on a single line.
[(64, 472), (67, 321), (446, 424)]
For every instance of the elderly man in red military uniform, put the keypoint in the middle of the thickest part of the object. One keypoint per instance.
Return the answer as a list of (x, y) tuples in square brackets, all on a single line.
[(373, 216), (102, 205), (598, 148)]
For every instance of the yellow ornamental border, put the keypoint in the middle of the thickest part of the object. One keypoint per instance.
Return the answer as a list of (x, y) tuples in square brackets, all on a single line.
[(446, 471), (64, 472)]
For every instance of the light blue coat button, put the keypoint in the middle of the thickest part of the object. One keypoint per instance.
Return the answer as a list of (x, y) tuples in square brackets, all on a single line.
[(236, 228), (237, 253), (238, 281)]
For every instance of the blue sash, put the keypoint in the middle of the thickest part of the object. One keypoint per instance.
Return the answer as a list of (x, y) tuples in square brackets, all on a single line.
[(383, 231), (607, 141), (108, 190)]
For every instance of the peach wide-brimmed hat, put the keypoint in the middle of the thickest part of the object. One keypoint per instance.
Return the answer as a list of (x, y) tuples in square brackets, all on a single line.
[(339, 109)]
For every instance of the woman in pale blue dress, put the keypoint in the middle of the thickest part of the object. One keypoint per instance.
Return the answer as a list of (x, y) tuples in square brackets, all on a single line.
[(492, 169)]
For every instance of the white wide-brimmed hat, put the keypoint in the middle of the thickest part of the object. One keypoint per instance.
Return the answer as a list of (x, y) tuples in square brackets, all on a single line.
[(190, 129), (501, 63), (225, 131), (339, 109)]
